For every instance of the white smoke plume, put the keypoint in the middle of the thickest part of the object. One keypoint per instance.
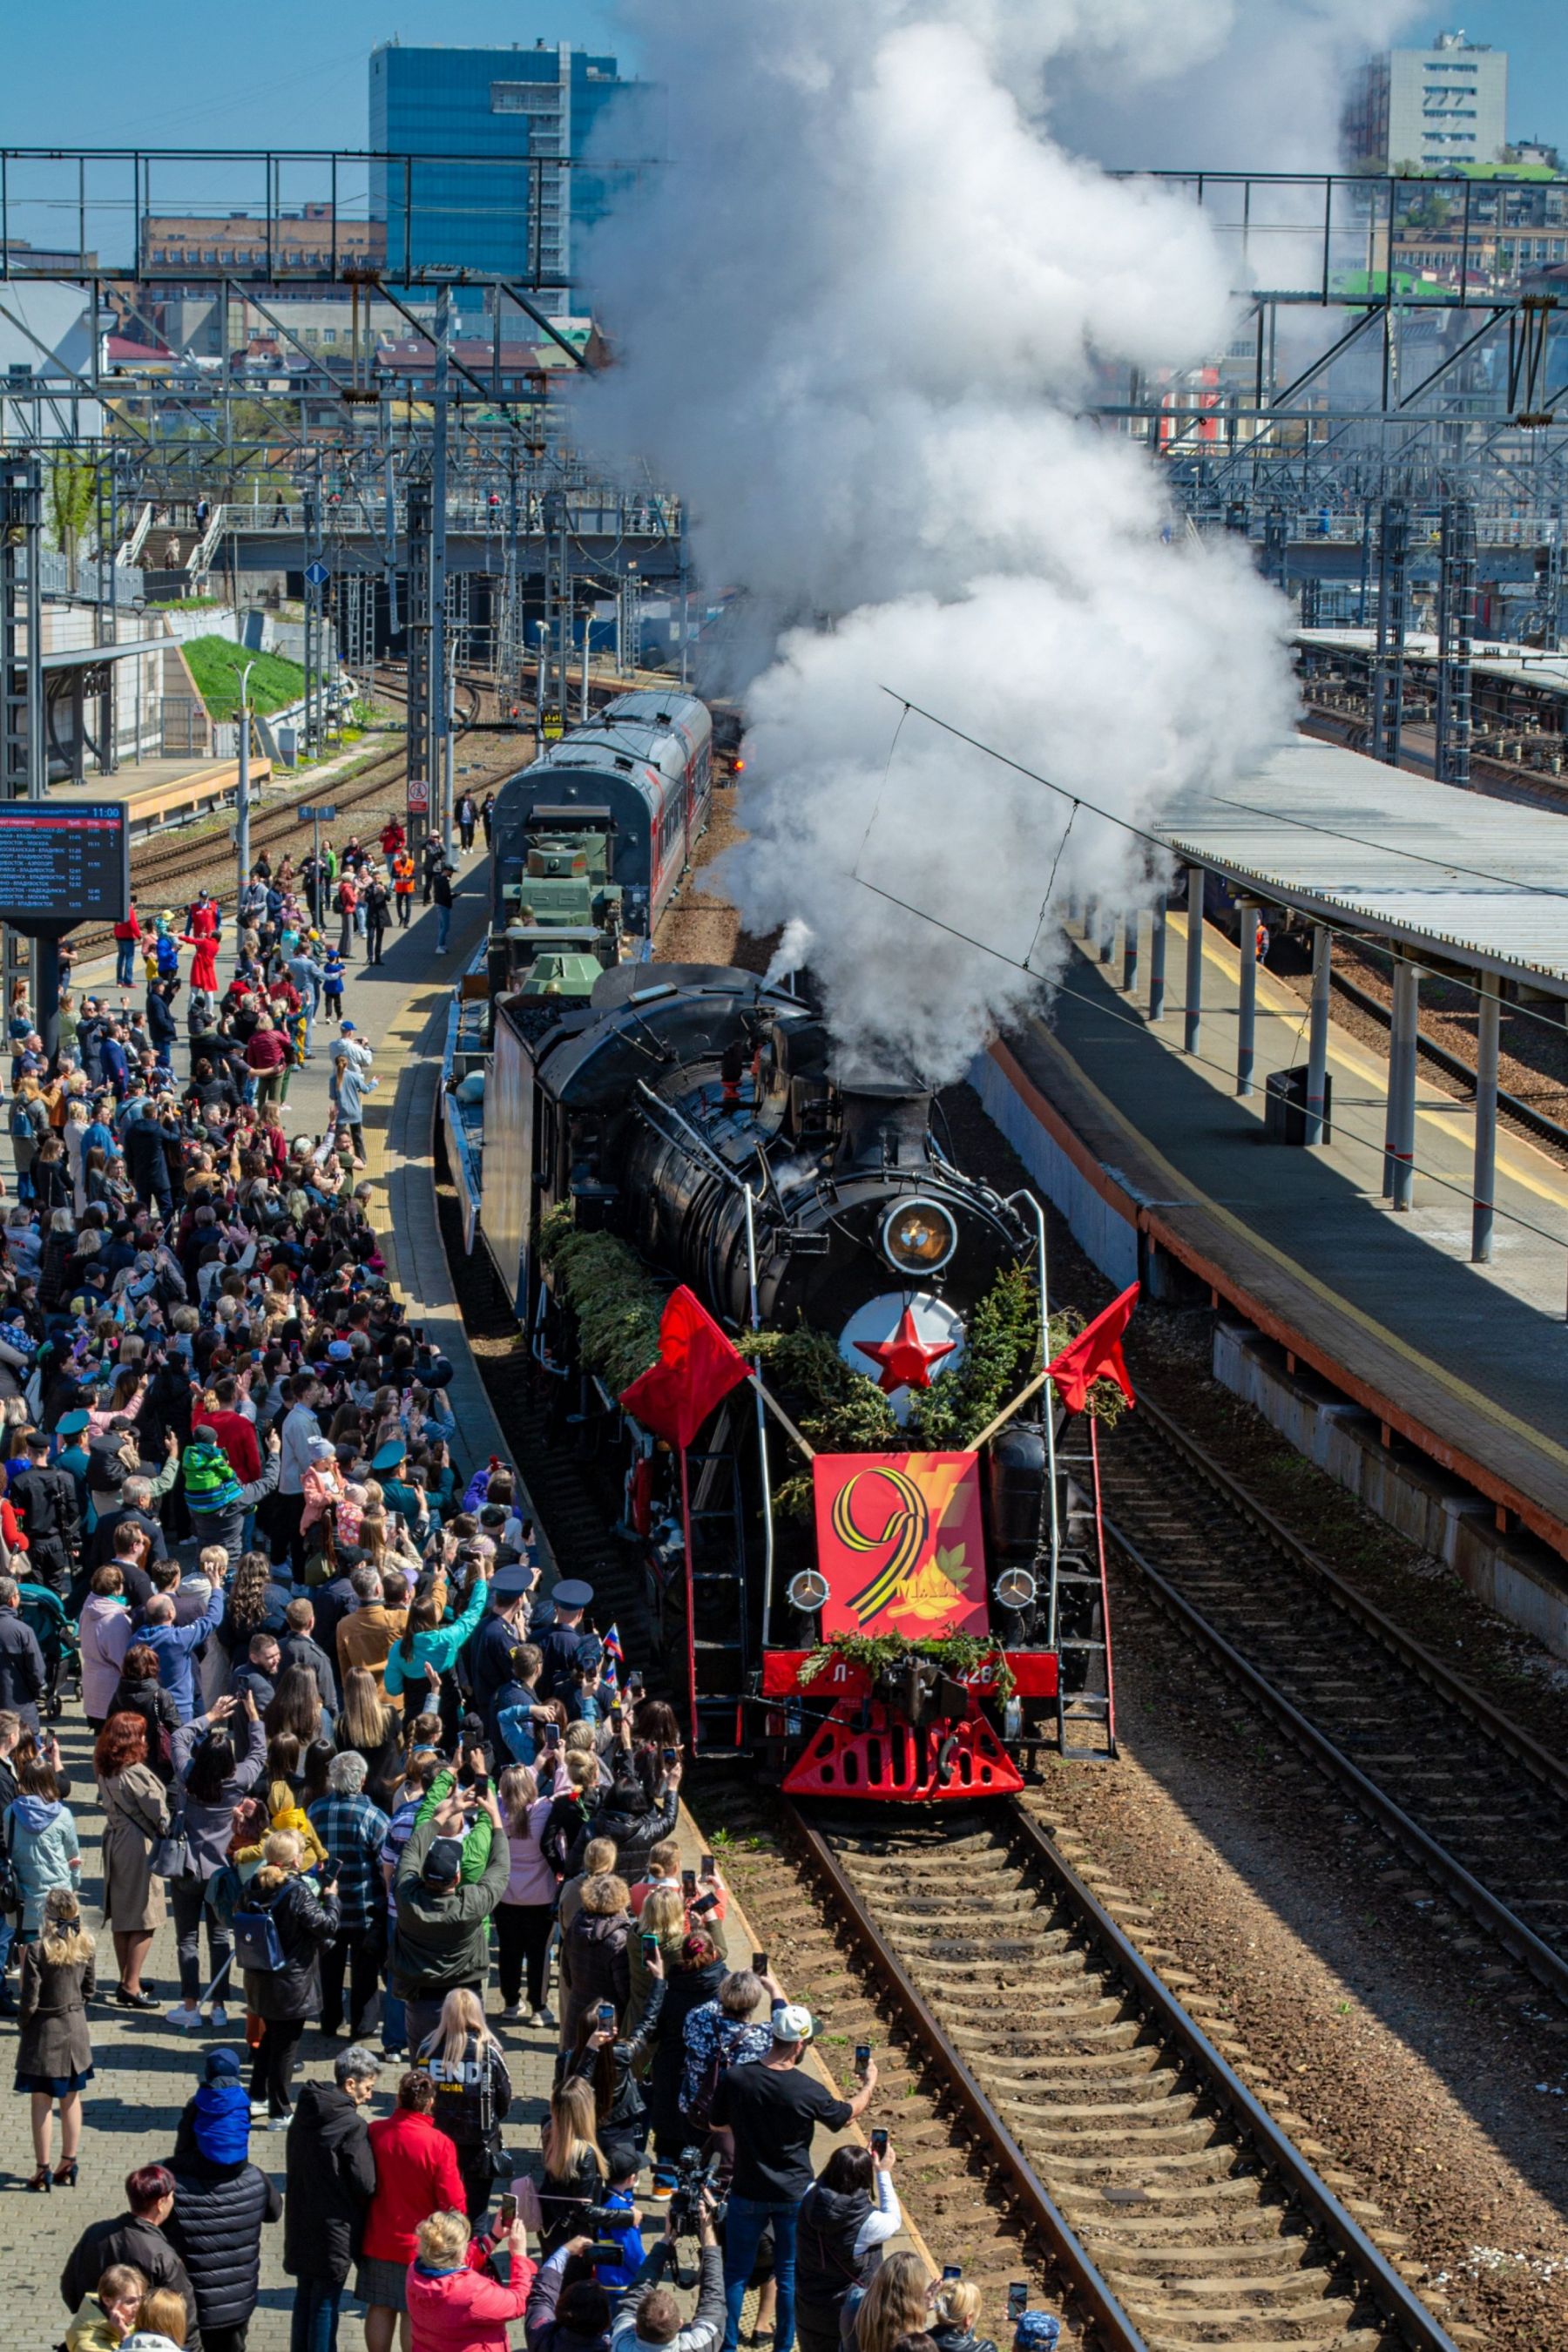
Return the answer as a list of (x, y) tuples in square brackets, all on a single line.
[(857, 316)]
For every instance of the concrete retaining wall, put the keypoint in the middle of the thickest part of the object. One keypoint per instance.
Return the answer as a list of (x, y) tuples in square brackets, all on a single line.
[(1107, 1238), (1523, 1579)]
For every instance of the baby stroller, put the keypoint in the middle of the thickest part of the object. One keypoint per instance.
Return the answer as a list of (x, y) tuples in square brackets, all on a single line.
[(57, 1638)]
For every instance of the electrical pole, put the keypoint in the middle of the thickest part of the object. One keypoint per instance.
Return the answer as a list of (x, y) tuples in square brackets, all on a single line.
[(439, 685), (242, 830)]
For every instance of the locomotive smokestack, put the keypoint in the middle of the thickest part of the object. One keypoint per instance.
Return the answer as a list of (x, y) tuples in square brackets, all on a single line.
[(882, 1127)]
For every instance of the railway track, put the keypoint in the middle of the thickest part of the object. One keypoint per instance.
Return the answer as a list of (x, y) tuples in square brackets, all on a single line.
[(168, 870), (1474, 1800), (1172, 2208)]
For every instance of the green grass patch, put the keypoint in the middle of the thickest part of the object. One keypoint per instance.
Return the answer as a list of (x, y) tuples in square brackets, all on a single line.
[(217, 664), (185, 605)]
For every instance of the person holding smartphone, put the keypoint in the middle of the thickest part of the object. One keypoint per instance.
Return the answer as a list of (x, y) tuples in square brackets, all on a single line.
[(764, 2116), (849, 2214)]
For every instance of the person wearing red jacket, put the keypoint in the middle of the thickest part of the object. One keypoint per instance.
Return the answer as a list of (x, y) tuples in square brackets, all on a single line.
[(454, 2305), (126, 934), (416, 2175), (266, 1059), (392, 837), (235, 1434)]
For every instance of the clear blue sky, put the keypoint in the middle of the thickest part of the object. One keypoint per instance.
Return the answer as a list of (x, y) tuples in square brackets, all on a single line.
[(98, 73), (187, 73)]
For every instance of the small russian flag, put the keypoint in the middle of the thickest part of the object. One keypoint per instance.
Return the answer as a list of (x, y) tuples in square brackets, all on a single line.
[(614, 1668)]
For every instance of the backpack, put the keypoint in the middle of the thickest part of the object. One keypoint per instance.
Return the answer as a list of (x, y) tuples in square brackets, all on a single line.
[(700, 2112), (257, 1943), (559, 1838)]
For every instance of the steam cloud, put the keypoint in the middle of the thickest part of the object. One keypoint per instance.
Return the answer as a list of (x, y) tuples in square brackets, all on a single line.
[(858, 315)]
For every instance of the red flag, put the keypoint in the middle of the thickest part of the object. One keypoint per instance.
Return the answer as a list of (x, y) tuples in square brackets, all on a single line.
[(696, 1367), (1096, 1351)]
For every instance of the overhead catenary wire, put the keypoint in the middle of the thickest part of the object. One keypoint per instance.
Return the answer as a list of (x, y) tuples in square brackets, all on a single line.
[(1342, 927), (1376, 1145)]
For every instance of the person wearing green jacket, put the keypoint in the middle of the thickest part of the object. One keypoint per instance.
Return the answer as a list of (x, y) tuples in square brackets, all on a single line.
[(428, 1642), (441, 1941), (477, 1839)]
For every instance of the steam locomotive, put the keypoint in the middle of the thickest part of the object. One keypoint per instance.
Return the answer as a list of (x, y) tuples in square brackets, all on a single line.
[(689, 1111)]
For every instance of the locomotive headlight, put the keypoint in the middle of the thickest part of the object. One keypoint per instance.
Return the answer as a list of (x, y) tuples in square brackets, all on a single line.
[(919, 1236), (1015, 1588), (807, 1592)]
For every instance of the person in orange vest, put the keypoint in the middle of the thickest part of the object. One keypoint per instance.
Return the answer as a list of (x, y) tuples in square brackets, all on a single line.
[(126, 934), (403, 879), (1261, 942)]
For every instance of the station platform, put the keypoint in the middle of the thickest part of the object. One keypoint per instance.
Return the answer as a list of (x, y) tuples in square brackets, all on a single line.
[(161, 792), (1166, 1176)]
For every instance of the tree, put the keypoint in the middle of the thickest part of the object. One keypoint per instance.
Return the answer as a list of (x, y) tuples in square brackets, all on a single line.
[(70, 500)]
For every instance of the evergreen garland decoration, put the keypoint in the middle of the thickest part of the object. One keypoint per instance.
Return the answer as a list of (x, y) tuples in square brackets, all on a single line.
[(617, 1303), (958, 1654)]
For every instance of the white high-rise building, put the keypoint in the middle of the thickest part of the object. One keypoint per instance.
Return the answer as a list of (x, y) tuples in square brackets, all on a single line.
[(1443, 105)]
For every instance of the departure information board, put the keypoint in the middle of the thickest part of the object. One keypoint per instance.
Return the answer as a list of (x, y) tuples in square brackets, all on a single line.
[(63, 862)]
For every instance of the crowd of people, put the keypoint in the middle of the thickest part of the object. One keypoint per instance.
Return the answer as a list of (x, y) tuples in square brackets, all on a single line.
[(401, 1808)]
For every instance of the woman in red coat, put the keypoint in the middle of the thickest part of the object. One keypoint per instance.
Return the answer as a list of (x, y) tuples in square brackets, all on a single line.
[(416, 2175), (203, 963), (453, 2304)]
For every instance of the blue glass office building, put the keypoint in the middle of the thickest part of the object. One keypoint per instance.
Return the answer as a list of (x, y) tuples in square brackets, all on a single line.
[(505, 189)]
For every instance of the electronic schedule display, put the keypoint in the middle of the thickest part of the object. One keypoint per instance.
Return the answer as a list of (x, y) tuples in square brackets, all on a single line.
[(64, 862)]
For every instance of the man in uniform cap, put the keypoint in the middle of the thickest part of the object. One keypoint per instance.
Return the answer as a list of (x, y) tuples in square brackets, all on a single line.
[(562, 1641)]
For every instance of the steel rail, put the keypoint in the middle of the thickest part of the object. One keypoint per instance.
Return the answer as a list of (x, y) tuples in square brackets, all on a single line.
[(1549, 1131), (1398, 2301), (1537, 1759), (1117, 2330), (1545, 1965), (1252, 2120)]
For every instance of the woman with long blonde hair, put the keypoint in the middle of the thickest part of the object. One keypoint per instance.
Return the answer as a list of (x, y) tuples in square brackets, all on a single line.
[(473, 2091), (896, 2303), (54, 2049), (575, 2173)]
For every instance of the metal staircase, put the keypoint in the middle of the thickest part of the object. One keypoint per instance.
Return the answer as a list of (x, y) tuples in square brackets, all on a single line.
[(718, 1640)]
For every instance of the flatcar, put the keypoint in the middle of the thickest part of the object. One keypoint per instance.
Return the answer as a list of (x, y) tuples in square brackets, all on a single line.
[(689, 1113), (641, 773)]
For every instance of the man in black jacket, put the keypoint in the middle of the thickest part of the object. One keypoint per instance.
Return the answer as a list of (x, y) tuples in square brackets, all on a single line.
[(136, 2237), (21, 1660), (330, 2181), (298, 1647), (220, 2209), (45, 1501)]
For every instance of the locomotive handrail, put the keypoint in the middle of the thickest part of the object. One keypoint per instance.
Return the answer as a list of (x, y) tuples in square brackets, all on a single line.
[(689, 1136)]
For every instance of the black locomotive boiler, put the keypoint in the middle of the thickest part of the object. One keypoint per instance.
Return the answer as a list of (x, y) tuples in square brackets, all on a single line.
[(690, 1111)]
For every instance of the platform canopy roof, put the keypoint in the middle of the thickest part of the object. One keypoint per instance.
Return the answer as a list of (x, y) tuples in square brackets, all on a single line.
[(1492, 658), (1451, 874)]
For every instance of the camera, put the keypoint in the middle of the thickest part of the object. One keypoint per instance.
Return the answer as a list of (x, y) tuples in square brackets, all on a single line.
[(685, 2184)]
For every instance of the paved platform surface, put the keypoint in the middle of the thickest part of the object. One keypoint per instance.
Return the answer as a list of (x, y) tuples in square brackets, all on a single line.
[(146, 2067), (1476, 1356)]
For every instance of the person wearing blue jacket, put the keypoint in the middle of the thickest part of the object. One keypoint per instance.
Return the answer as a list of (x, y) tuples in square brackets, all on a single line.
[(41, 1839), (174, 1646), (428, 1642)]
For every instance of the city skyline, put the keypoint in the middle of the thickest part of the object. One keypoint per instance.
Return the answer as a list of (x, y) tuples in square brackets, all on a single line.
[(121, 92)]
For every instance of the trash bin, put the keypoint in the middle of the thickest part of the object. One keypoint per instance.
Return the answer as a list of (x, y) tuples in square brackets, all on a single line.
[(1285, 1105)]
